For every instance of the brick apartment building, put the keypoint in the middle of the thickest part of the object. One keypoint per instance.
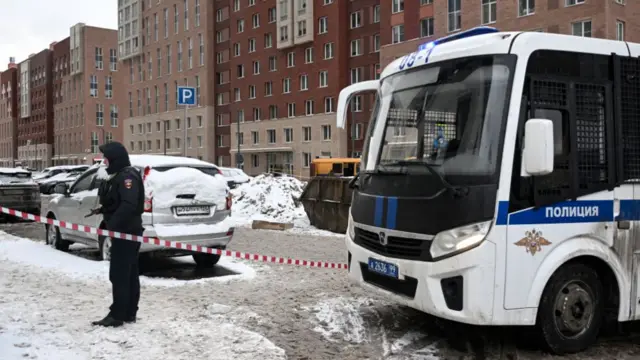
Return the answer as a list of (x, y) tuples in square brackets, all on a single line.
[(88, 92), (8, 114), (35, 119), (280, 68), (162, 45), (409, 23)]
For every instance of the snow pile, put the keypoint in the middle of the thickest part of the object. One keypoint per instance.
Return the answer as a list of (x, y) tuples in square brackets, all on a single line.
[(340, 317), (270, 198), (42, 257), (164, 186)]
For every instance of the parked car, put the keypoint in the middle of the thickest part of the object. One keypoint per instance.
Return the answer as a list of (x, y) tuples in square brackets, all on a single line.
[(18, 191), (48, 184), (182, 195), (55, 170), (234, 176)]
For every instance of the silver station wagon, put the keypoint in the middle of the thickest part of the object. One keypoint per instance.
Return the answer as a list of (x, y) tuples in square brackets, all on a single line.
[(185, 219)]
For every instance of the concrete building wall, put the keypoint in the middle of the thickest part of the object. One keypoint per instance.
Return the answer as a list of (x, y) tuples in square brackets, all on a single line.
[(174, 54), (8, 114)]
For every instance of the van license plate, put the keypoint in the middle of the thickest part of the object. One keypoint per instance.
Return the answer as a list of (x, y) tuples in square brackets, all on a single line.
[(383, 268), (192, 210)]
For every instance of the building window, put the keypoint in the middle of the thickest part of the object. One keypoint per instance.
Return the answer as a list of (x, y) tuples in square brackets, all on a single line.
[(356, 47), (356, 104), (268, 88), (308, 55), (620, 30), (323, 78), (454, 15), (291, 59), (273, 112), (256, 68), (397, 6), (304, 82), (113, 60), (99, 114), (306, 159), (252, 45), (93, 86), (113, 115), (268, 41), (291, 110), (308, 107), (356, 19), (489, 11), (288, 135), (255, 137), (255, 21), (108, 87), (526, 7), (356, 74), (357, 132), (326, 132), (573, 2), (252, 92), (255, 160), (271, 136), (376, 14), (426, 27), (99, 59), (323, 24), (273, 63), (179, 56), (286, 85), (302, 28), (271, 15), (328, 51), (328, 105), (306, 133), (581, 28), (376, 42), (397, 34)]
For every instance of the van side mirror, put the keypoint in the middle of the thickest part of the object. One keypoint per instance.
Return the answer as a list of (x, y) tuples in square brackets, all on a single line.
[(537, 157)]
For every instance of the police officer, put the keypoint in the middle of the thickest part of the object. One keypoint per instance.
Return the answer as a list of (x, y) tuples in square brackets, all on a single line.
[(122, 204)]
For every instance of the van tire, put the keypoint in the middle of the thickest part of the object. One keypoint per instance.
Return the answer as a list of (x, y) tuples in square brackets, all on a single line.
[(571, 309), (206, 260)]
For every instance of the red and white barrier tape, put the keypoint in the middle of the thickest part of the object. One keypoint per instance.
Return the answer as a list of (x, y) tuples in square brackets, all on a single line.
[(172, 244)]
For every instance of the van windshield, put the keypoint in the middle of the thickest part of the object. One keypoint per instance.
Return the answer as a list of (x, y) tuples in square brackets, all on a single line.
[(448, 117)]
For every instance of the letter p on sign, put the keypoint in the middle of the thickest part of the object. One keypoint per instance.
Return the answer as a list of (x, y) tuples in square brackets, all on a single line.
[(186, 95)]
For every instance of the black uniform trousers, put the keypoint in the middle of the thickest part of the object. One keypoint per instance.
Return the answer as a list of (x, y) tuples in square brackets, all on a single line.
[(124, 274)]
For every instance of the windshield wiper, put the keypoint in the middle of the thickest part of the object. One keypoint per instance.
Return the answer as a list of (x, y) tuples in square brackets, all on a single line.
[(456, 190)]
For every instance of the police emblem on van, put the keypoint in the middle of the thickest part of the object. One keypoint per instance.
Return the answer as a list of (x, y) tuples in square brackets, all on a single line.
[(382, 237), (533, 242)]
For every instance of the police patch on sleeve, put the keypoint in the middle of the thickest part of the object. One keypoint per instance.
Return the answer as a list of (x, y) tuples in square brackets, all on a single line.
[(128, 183)]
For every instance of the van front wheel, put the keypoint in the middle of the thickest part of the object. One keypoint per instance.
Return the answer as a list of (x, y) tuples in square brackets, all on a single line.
[(571, 309)]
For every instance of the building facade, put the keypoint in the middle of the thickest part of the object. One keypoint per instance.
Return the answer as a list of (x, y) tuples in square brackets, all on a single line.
[(88, 92), (280, 68), (35, 121), (9, 115), (177, 50), (406, 24)]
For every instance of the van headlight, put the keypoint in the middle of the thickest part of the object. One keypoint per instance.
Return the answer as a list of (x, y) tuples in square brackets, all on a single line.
[(459, 239)]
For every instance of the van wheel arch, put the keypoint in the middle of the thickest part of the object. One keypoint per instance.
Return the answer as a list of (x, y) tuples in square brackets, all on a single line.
[(599, 275)]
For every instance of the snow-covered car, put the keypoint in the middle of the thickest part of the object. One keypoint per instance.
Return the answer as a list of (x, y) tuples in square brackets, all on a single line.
[(55, 170), (234, 176), (18, 191), (48, 184), (186, 200)]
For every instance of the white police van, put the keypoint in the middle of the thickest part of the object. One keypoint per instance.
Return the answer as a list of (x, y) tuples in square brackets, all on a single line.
[(500, 182)]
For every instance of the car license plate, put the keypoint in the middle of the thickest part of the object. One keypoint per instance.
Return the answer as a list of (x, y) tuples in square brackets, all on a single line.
[(383, 268), (192, 210), (13, 192)]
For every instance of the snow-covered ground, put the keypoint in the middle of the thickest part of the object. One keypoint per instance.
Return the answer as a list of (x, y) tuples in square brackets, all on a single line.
[(273, 198), (49, 298)]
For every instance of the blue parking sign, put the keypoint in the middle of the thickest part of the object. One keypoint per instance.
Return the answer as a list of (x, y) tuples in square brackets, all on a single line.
[(186, 95)]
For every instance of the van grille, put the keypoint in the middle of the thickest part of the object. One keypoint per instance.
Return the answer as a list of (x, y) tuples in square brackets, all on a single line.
[(397, 247)]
